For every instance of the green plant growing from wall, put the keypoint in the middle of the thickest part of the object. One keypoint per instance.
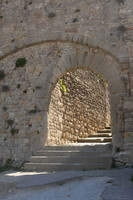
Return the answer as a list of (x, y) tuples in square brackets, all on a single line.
[(50, 15), (131, 179), (2, 74), (77, 10), (35, 110), (18, 85), (10, 122), (20, 62), (74, 20), (38, 87), (101, 79), (13, 131), (118, 149), (63, 87), (121, 28), (4, 108), (5, 88)]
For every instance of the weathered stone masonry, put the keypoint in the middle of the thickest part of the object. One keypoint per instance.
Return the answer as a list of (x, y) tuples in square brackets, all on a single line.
[(94, 34), (79, 112)]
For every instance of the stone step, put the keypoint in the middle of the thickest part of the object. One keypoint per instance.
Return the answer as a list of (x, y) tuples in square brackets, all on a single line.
[(71, 153), (96, 139), (107, 127), (64, 166), (70, 159), (101, 135), (99, 147), (104, 131)]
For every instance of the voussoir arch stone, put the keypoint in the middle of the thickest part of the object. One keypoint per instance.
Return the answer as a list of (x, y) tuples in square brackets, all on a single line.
[(43, 37), (106, 67)]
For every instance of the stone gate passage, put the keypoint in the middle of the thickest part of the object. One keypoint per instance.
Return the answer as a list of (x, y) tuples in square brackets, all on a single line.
[(80, 110), (45, 41)]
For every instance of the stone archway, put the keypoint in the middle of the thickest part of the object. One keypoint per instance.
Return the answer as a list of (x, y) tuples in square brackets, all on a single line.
[(79, 107), (102, 64)]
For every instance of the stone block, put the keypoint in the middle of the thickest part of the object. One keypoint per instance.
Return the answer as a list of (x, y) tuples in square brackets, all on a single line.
[(62, 65), (4, 50), (116, 85), (64, 37), (85, 40), (54, 69), (54, 36), (128, 140), (131, 82), (70, 37), (97, 60), (129, 127), (88, 59), (74, 60), (81, 59), (103, 66), (76, 38), (128, 105), (43, 104), (44, 90), (117, 140), (114, 99), (90, 41), (105, 46), (106, 69), (67, 61), (114, 119)]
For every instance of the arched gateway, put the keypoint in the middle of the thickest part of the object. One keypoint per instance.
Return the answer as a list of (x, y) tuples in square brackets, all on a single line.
[(100, 63), (92, 54)]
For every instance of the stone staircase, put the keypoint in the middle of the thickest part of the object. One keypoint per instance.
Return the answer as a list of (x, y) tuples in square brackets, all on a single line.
[(102, 136), (91, 153)]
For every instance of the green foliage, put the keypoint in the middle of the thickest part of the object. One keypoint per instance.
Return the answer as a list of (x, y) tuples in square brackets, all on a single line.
[(63, 87), (117, 149), (74, 20), (38, 87), (8, 166), (33, 111), (1, 16), (77, 10), (9, 161), (10, 122), (131, 179), (4, 108), (113, 164), (21, 62), (5, 88), (121, 28), (101, 78), (13, 131), (2, 74), (18, 85), (50, 15)]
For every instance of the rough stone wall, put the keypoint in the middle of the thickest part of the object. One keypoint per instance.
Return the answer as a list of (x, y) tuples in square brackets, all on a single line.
[(103, 27), (79, 112)]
